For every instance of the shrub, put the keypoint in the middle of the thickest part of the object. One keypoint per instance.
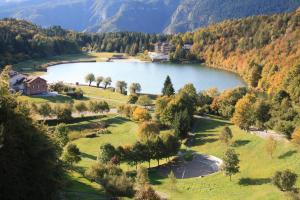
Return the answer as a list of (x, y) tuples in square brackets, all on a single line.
[(188, 156), (284, 180), (103, 132), (146, 193), (132, 99), (64, 113), (77, 94), (141, 114), (144, 100), (118, 186)]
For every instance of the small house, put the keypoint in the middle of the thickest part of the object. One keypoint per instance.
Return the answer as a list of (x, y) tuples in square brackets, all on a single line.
[(28, 85), (35, 85)]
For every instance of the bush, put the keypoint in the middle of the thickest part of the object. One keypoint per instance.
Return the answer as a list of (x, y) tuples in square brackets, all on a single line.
[(77, 94), (112, 178), (284, 180), (132, 99), (141, 114), (119, 186), (144, 100), (64, 114), (188, 156), (103, 131)]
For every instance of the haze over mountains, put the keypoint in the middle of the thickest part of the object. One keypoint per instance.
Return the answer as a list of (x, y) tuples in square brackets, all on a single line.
[(151, 16)]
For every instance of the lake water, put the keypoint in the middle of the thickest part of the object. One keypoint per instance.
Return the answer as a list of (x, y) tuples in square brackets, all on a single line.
[(151, 76)]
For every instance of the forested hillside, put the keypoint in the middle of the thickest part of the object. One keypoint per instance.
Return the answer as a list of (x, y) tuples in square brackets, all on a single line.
[(263, 49), (150, 16), (21, 40)]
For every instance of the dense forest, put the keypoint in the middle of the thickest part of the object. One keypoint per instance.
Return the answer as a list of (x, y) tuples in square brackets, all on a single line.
[(21, 40), (261, 49)]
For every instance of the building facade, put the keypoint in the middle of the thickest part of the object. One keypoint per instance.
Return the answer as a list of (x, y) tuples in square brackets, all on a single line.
[(35, 85)]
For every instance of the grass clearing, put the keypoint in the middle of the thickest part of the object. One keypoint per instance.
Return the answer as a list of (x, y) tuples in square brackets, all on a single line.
[(256, 166), (114, 99)]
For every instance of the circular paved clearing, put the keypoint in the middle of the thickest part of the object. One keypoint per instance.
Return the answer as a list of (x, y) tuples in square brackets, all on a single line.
[(201, 165)]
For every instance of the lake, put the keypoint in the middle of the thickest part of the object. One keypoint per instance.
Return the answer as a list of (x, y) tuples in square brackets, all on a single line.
[(151, 76)]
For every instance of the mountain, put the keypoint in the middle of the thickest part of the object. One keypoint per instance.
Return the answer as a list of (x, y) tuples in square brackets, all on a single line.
[(151, 16)]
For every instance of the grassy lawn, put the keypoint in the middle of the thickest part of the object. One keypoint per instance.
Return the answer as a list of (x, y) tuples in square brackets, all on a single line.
[(253, 182), (123, 131), (114, 99), (257, 168)]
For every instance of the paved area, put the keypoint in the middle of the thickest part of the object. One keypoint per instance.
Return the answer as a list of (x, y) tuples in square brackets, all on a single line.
[(201, 165)]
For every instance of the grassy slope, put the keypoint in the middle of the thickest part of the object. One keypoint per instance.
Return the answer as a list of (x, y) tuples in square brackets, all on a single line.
[(252, 183), (91, 93), (123, 132), (256, 167)]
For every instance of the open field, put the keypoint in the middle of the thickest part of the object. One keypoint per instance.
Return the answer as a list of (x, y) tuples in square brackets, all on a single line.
[(114, 99), (256, 166)]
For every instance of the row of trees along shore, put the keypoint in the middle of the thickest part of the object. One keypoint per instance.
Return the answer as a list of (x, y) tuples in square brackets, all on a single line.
[(121, 86)]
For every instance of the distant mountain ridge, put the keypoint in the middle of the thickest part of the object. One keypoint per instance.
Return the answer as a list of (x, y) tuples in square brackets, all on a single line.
[(151, 16)]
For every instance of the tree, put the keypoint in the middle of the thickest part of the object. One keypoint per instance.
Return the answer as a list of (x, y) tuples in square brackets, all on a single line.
[(132, 99), (284, 180), (28, 156), (107, 151), (172, 181), (64, 113), (71, 155), (45, 110), (171, 145), (135, 87), (107, 81), (262, 113), (121, 87), (148, 129), (141, 115), (182, 123), (142, 178), (144, 100), (231, 163), (271, 145), (296, 137), (98, 106), (99, 80), (146, 193), (244, 116), (81, 107), (168, 89), (61, 134), (90, 78), (226, 135)]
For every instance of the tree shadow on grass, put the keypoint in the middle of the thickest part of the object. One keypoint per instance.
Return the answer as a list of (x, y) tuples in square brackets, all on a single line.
[(74, 121), (199, 140), (116, 121), (85, 155), (203, 125), (239, 143), (155, 178), (79, 169), (74, 189), (287, 154), (254, 181)]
